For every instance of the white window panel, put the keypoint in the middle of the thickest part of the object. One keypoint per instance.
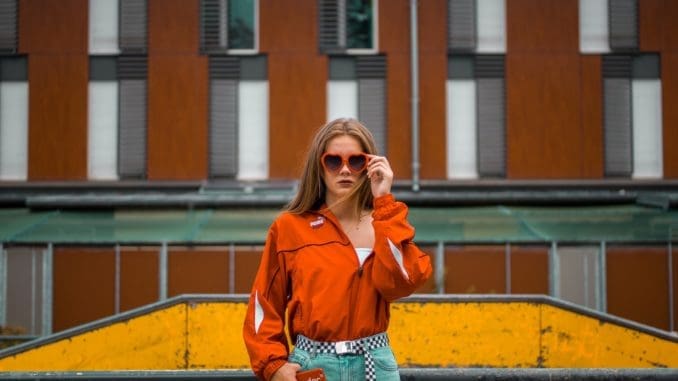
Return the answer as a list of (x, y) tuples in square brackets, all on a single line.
[(578, 270), (103, 26), (593, 28), (461, 129), (102, 137), (647, 128), (342, 99), (491, 26), (14, 131), (253, 130)]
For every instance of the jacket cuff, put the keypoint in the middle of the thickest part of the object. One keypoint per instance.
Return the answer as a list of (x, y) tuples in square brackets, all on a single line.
[(272, 367), (383, 201)]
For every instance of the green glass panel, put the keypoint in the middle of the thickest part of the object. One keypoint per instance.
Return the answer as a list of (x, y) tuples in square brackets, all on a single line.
[(241, 24), (359, 24)]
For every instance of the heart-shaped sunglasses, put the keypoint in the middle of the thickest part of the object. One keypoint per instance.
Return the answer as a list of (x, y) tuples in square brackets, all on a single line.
[(356, 162)]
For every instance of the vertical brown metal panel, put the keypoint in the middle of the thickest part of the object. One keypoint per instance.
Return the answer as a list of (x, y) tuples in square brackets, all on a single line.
[(394, 37), (591, 101), (246, 266), (432, 80), (529, 270), (57, 133), (197, 271), (84, 286), (637, 284), (669, 74), (173, 26), (542, 26), (177, 117), (475, 270), (544, 130), (297, 76), (669, 25), (289, 26), (139, 277), (47, 26), (650, 25)]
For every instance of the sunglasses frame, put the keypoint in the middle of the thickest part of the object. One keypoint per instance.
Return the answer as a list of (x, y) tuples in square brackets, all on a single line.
[(345, 162)]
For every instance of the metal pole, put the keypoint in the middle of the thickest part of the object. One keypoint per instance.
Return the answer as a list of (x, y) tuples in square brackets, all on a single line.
[(3, 285), (440, 267), (47, 287), (163, 272), (415, 94), (602, 278), (672, 326), (554, 271), (231, 268), (34, 292)]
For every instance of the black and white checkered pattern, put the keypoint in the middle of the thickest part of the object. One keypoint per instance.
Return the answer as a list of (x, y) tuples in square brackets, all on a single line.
[(358, 347)]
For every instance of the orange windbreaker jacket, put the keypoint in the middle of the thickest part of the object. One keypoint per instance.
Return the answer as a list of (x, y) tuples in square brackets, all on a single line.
[(310, 268)]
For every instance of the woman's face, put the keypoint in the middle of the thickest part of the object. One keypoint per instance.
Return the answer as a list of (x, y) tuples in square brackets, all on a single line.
[(340, 182)]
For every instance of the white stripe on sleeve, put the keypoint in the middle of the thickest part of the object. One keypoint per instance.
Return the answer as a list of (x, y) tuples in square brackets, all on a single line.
[(258, 313), (398, 257)]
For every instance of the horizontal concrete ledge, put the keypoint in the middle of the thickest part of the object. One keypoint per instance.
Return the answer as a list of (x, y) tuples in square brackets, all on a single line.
[(407, 374)]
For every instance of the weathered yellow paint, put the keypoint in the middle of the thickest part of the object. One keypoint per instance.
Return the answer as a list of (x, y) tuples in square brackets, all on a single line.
[(465, 335), (192, 335), (215, 335), (573, 340), (153, 341)]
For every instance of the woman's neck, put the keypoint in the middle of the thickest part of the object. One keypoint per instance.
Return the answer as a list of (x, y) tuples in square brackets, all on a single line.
[(344, 210)]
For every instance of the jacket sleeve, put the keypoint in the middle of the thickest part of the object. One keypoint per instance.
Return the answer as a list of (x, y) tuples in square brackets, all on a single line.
[(400, 267), (263, 329)]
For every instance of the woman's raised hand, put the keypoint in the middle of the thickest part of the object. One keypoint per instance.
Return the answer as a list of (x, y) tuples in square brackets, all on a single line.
[(380, 174)]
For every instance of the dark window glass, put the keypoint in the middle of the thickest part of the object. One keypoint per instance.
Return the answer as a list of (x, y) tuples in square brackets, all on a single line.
[(241, 24), (359, 24)]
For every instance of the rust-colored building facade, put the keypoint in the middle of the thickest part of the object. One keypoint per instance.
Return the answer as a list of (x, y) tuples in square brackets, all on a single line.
[(543, 105)]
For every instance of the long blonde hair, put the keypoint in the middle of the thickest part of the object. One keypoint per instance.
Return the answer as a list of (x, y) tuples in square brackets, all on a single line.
[(311, 193)]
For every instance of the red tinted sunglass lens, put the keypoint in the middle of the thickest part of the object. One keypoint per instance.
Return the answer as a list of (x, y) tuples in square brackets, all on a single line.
[(357, 162), (332, 162)]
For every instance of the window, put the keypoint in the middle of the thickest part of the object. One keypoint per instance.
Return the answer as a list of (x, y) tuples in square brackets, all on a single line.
[(578, 275), (103, 27), (348, 26), (632, 116), (608, 25), (238, 117), (477, 26), (26, 308), (13, 118), (357, 88), (229, 26), (117, 89), (476, 42), (476, 130), (102, 137)]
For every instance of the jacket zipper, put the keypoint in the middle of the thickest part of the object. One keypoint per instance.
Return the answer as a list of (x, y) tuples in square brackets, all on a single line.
[(355, 288)]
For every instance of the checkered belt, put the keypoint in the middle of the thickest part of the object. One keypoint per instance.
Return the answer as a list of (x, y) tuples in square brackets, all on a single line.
[(360, 347)]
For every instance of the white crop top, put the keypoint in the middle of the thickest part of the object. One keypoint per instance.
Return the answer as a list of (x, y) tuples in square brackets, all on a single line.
[(363, 253)]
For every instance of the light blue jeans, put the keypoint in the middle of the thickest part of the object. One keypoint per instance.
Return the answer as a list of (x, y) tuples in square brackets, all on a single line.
[(348, 367)]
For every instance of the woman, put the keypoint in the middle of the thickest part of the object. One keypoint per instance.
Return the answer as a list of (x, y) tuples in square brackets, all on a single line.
[(332, 264)]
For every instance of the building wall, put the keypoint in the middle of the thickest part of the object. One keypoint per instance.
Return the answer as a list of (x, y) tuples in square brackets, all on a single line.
[(554, 114), (553, 92)]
